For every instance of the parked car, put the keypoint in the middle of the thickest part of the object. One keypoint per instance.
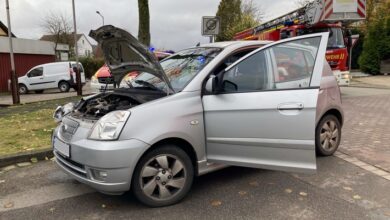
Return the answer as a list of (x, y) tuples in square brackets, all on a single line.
[(103, 81), (49, 76), (243, 103)]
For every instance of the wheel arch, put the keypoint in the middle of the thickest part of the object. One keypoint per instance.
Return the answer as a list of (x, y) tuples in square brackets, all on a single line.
[(62, 80), (337, 113), (182, 144)]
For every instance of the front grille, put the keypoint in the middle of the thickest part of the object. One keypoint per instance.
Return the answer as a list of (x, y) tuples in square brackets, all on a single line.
[(71, 165), (67, 128), (106, 80)]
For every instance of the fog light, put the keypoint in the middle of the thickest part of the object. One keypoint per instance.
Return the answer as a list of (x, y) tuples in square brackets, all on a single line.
[(100, 175)]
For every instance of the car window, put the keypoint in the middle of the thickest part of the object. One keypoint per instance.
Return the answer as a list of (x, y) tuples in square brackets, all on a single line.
[(294, 63), (249, 75), (180, 68), (80, 67), (36, 72)]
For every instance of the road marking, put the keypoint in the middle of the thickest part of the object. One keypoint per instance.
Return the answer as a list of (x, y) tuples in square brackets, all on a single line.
[(368, 167), (43, 195)]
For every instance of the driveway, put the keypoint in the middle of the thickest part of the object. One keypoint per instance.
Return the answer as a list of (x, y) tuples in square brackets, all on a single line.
[(346, 186), (366, 131)]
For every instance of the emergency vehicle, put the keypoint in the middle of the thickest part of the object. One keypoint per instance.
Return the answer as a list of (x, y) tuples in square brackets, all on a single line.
[(318, 16)]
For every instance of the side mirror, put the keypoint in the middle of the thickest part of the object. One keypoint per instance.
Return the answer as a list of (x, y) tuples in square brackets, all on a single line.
[(229, 86), (211, 84)]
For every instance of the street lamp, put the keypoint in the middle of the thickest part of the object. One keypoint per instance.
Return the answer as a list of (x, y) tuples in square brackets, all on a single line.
[(98, 12)]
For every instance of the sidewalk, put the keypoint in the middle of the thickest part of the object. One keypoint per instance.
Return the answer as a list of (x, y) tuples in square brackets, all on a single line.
[(369, 81), (6, 100)]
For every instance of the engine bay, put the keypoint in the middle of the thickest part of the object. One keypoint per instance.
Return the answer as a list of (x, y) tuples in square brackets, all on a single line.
[(99, 105)]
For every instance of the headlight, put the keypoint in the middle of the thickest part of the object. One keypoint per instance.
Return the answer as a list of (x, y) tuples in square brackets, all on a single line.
[(94, 79), (61, 111), (109, 126)]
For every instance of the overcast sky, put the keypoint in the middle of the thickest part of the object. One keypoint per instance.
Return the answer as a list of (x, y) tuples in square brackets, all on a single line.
[(175, 24)]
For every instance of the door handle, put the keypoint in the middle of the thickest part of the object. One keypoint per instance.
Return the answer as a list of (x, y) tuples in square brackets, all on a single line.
[(290, 106)]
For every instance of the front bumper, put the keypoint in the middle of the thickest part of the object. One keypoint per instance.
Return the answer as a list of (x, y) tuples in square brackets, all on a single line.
[(117, 159), (97, 87)]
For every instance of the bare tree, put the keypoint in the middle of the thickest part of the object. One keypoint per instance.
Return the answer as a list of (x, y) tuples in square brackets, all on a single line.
[(302, 3), (251, 16), (248, 8), (58, 27)]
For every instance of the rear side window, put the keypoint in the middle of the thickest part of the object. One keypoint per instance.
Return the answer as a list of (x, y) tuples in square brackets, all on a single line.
[(80, 66), (36, 72)]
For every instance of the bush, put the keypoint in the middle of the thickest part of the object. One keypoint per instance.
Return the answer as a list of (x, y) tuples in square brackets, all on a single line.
[(376, 46), (91, 65)]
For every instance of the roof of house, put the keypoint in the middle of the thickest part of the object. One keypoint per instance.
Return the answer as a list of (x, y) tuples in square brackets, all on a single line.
[(51, 37), (5, 29)]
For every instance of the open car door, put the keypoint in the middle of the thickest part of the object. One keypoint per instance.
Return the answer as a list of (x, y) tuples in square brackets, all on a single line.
[(264, 115)]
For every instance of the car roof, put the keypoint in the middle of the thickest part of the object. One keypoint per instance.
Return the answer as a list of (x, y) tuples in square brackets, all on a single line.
[(225, 44)]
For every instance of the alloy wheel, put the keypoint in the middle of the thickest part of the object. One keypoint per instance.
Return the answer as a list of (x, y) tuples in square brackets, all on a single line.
[(163, 177), (329, 135)]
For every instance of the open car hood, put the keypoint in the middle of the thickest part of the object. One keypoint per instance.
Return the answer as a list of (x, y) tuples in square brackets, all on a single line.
[(123, 53)]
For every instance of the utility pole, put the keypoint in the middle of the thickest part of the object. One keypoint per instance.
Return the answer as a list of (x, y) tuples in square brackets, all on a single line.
[(78, 76), (14, 79)]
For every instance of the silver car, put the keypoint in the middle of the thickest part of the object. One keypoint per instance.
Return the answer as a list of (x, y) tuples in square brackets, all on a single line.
[(243, 103)]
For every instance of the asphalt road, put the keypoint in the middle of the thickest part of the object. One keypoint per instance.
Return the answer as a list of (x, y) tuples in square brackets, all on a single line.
[(339, 190)]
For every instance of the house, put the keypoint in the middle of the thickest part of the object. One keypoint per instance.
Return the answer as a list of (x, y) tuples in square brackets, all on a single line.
[(27, 54), (84, 46), (4, 30)]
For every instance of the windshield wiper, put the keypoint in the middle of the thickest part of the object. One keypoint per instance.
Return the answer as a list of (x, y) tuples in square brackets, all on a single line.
[(147, 84)]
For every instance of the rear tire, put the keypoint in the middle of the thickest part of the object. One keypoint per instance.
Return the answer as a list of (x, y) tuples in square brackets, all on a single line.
[(64, 86), (23, 89), (328, 135), (39, 91), (163, 176)]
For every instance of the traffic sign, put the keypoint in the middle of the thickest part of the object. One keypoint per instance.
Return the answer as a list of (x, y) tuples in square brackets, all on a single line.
[(210, 25)]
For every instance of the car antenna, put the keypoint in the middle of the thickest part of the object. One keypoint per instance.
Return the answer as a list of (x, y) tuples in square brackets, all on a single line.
[(198, 44)]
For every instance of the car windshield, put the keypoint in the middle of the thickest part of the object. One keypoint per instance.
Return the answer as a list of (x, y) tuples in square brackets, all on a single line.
[(336, 39), (179, 68)]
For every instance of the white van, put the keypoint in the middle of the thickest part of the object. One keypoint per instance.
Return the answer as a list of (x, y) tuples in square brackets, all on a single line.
[(49, 76)]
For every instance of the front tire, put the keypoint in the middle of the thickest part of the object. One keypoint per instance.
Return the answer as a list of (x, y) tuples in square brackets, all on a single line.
[(163, 176), (328, 135), (64, 86), (23, 89)]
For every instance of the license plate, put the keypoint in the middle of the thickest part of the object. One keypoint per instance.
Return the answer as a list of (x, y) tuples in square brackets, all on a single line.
[(61, 147)]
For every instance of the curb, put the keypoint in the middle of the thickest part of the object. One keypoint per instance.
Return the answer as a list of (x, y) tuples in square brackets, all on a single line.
[(25, 156), (368, 86)]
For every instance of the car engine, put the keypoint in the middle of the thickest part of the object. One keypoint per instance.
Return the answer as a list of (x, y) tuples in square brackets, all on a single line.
[(97, 107)]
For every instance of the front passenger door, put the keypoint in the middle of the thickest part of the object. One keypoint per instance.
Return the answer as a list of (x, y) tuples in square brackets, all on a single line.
[(35, 78), (264, 116)]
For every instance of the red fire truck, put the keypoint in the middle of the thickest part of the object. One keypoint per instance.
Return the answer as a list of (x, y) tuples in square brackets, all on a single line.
[(318, 16)]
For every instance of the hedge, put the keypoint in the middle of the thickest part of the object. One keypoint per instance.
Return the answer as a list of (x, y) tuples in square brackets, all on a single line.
[(91, 65)]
